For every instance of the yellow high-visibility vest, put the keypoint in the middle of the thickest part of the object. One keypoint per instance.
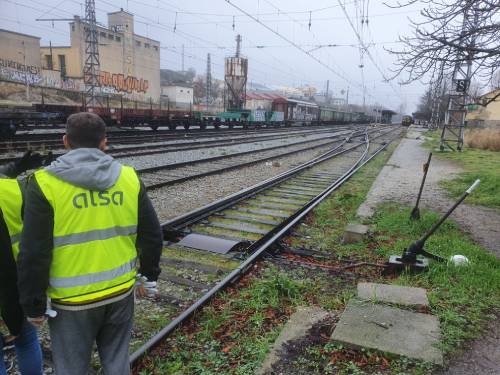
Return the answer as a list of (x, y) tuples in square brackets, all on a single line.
[(11, 204), (94, 255)]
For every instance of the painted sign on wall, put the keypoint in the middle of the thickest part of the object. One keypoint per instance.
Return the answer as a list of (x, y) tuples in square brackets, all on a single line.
[(121, 83)]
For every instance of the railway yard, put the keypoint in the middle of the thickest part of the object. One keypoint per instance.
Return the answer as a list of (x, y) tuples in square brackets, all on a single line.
[(253, 225), (236, 188)]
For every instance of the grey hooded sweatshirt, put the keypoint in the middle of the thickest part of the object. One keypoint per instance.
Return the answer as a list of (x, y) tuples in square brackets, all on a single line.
[(91, 169)]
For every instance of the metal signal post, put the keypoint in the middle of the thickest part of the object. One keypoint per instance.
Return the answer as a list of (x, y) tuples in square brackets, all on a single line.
[(453, 127)]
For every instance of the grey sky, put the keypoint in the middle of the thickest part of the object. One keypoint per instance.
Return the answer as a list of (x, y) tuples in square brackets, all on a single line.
[(206, 26)]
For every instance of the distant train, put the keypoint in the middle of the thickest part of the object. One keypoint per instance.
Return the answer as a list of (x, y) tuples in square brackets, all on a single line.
[(407, 120), (284, 112)]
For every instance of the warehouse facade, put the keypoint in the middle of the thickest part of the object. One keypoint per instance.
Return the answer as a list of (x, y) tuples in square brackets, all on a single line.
[(129, 63)]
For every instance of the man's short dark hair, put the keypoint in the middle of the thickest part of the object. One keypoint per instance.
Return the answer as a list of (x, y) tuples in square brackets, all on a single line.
[(85, 129)]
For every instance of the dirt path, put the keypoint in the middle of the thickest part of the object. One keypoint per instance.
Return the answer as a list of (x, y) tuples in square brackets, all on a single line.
[(399, 181)]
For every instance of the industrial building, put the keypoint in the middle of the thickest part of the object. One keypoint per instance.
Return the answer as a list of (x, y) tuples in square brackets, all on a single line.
[(129, 63), (20, 58), (177, 97)]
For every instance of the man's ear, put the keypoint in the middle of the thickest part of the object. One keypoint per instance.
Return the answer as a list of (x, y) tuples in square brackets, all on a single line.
[(67, 146), (103, 145)]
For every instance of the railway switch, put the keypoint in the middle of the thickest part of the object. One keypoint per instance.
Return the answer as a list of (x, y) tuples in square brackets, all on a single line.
[(415, 258)]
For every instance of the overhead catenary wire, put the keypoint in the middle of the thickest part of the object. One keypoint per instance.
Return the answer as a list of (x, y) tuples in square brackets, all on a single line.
[(295, 45), (360, 40)]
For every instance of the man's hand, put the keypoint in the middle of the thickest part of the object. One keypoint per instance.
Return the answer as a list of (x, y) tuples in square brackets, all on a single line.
[(37, 321), (144, 288), (29, 161)]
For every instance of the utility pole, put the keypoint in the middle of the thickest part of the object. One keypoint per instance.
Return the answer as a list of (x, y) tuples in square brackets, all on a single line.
[(453, 127), (436, 99), (182, 61), (327, 90), (209, 80), (92, 65)]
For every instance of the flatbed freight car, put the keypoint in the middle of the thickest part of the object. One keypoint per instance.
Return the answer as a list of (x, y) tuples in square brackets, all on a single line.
[(284, 112)]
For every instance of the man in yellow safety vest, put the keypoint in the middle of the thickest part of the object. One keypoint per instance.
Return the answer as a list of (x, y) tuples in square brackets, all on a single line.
[(89, 230), (22, 335)]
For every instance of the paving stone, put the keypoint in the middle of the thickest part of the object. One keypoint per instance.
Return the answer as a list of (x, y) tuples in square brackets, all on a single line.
[(402, 295), (374, 326), (297, 326), (355, 233)]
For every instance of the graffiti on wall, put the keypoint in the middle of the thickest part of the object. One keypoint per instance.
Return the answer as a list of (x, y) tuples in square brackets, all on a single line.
[(120, 83), (58, 83), (32, 69), (15, 71)]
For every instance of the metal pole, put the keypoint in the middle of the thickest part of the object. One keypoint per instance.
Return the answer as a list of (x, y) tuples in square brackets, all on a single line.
[(415, 213)]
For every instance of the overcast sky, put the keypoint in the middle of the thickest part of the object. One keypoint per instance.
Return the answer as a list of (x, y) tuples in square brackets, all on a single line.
[(207, 27)]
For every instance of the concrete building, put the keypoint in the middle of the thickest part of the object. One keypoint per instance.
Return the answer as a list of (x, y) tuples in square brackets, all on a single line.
[(129, 63), (481, 116), (177, 96), (20, 58)]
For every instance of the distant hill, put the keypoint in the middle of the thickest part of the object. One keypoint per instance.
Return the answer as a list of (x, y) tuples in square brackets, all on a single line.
[(172, 77)]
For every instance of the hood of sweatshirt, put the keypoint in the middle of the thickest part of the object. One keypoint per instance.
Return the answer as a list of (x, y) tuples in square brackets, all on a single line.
[(88, 168)]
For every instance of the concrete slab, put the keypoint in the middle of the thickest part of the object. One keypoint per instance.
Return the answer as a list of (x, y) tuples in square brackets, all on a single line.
[(401, 295), (355, 233), (297, 326), (415, 335)]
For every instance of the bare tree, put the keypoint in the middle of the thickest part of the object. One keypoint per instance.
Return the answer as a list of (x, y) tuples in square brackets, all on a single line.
[(451, 33)]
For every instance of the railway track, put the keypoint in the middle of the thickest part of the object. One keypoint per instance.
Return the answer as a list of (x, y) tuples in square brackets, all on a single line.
[(23, 142), (210, 248), (244, 226), (184, 145), (171, 174)]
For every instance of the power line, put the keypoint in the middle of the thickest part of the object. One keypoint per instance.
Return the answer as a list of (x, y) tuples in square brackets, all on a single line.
[(362, 44), (293, 43)]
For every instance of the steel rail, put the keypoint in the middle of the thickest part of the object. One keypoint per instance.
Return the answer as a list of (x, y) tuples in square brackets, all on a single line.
[(231, 167), (200, 213), (191, 145), (236, 154), (258, 248)]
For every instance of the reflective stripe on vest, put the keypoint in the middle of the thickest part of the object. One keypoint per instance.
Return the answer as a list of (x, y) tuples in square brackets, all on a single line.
[(11, 203), (94, 255)]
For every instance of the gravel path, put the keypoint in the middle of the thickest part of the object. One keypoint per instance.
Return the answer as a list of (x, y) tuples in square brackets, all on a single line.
[(399, 181)]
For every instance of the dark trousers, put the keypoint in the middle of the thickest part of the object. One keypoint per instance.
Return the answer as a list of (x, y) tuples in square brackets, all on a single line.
[(73, 334)]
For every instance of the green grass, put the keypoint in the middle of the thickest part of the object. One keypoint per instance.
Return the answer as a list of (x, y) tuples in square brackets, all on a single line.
[(477, 164), (235, 332), (462, 297)]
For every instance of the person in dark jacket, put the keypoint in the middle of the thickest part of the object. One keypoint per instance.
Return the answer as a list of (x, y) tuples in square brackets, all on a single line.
[(87, 222), (22, 335)]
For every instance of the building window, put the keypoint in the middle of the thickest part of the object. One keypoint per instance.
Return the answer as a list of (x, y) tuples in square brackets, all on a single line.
[(156, 48), (103, 34), (146, 45), (118, 39), (111, 37), (137, 43), (62, 65), (48, 61), (73, 27)]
